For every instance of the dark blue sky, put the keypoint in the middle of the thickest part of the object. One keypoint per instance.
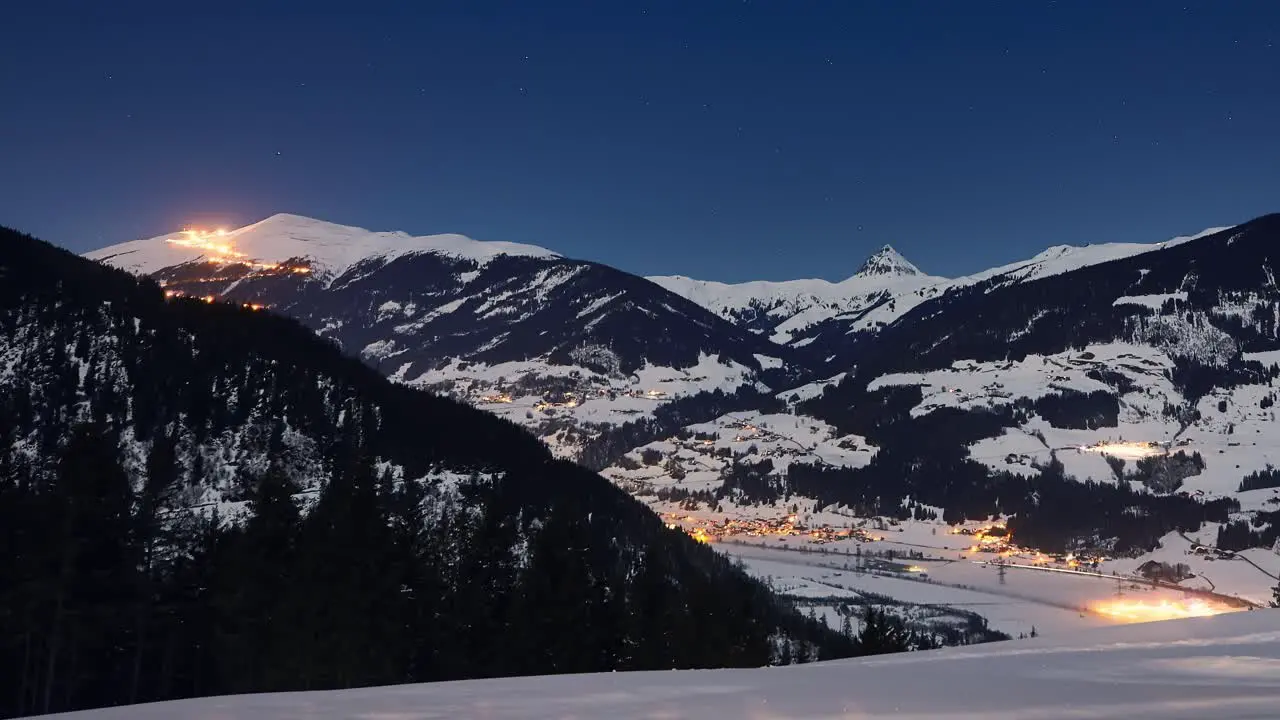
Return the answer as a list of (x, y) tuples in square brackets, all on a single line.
[(725, 139)]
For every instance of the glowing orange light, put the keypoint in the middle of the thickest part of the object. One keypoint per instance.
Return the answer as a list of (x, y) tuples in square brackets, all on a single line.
[(1126, 450), (1136, 611), (216, 249)]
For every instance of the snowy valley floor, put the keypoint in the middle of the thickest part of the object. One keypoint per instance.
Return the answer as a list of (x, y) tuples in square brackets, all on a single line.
[(1225, 667)]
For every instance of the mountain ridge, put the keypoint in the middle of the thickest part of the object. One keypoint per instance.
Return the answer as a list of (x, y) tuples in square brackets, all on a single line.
[(331, 247)]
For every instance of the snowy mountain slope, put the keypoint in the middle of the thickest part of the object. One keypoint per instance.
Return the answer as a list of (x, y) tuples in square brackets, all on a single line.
[(779, 310), (837, 338), (1065, 258), (1224, 279), (819, 314), (1225, 667), (561, 346)]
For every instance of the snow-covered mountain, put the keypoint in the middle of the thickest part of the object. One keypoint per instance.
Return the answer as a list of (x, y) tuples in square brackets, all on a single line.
[(1135, 380), (829, 316), (783, 310), (559, 345), (1222, 667)]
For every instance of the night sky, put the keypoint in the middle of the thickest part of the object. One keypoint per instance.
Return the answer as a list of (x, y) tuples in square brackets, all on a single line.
[(725, 140)]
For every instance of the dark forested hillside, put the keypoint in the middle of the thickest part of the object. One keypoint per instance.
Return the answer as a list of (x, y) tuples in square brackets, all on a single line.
[(200, 498)]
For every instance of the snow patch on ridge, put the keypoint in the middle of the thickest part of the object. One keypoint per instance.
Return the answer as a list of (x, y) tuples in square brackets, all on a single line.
[(330, 247)]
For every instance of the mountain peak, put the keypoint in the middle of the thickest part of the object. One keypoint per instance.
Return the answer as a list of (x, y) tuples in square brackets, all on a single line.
[(887, 261)]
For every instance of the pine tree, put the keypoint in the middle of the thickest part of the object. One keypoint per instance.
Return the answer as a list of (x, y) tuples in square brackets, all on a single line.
[(93, 547), (881, 633)]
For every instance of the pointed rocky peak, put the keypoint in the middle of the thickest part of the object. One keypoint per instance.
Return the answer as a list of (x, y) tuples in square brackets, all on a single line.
[(888, 261)]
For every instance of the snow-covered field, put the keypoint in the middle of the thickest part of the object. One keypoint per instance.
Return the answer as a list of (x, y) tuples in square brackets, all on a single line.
[(1034, 591), (1044, 602), (1052, 599), (1225, 667)]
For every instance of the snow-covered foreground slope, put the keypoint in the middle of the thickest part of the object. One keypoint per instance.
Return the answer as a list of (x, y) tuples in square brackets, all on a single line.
[(1225, 667)]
